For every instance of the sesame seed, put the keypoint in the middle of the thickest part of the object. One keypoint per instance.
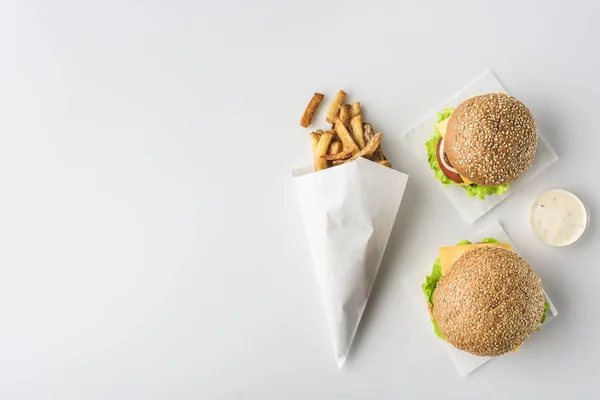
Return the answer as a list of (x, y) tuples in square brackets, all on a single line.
[(491, 139), (489, 303)]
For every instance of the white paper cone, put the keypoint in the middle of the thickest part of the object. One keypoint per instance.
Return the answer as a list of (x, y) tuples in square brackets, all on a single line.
[(348, 214)]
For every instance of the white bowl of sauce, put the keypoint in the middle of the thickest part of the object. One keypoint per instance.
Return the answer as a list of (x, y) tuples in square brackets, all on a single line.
[(559, 218)]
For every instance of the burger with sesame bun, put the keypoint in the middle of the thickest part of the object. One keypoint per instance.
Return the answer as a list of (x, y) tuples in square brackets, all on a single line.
[(484, 144), (483, 298)]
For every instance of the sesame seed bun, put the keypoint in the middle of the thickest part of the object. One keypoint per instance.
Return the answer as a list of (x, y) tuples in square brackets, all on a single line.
[(489, 303), (491, 139)]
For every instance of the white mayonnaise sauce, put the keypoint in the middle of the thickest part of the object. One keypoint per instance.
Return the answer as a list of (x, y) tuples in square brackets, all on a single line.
[(558, 217)]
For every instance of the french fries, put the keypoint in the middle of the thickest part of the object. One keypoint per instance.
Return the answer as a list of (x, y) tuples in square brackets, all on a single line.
[(321, 150), (345, 114), (369, 149), (369, 132), (379, 153), (355, 109), (349, 138), (345, 137), (334, 108), (357, 130), (335, 147), (314, 141), (310, 109), (337, 156)]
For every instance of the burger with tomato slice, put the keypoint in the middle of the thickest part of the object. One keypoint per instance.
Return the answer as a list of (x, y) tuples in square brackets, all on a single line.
[(484, 298), (483, 145)]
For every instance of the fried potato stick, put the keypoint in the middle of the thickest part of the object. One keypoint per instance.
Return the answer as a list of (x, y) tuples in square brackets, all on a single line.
[(335, 147), (334, 107), (357, 130), (310, 109), (345, 114), (369, 148), (355, 109), (369, 132), (338, 156), (345, 137), (321, 150), (314, 141)]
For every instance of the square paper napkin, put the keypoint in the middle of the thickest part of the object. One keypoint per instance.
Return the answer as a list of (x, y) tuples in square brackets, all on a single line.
[(473, 208), (348, 214), (465, 362)]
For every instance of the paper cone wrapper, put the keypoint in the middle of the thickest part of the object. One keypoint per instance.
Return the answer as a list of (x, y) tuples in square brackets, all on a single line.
[(348, 214)]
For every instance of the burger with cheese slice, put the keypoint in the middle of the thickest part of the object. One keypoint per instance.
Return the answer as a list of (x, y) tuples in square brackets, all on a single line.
[(483, 145), (483, 298)]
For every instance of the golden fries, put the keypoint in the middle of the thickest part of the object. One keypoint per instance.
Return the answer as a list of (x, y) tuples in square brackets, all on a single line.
[(314, 141), (369, 148), (345, 137), (335, 147), (345, 114), (337, 156), (321, 150), (379, 153), (337, 162), (355, 109), (357, 131), (368, 129), (334, 108), (349, 138), (310, 109)]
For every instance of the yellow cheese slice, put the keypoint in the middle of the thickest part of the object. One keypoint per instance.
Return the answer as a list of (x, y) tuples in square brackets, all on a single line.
[(442, 126), (449, 254), (466, 181)]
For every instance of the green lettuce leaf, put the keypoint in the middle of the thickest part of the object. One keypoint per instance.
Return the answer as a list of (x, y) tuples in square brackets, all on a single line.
[(483, 191), (472, 190), (544, 315), (431, 281), (444, 114), (490, 240), (464, 242), (430, 284), (436, 329)]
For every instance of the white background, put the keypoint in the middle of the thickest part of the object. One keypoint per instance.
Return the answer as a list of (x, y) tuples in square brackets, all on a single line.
[(151, 243)]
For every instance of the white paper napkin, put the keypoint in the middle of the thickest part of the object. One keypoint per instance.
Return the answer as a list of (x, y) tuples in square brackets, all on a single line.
[(473, 208), (465, 362), (348, 214)]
